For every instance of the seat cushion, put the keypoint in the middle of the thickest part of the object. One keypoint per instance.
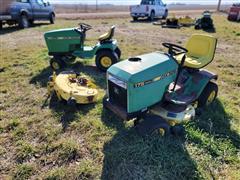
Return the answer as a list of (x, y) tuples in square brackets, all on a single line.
[(192, 62)]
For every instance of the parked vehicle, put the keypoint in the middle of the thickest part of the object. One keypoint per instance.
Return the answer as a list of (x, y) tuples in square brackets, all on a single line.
[(150, 9), (160, 91), (25, 12), (234, 13)]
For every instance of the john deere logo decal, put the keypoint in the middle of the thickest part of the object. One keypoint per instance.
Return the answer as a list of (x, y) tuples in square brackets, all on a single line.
[(159, 78)]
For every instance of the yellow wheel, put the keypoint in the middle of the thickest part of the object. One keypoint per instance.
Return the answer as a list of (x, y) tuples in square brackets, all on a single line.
[(106, 62), (161, 131), (211, 97), (106, 58), (56, 63), (208, 95)]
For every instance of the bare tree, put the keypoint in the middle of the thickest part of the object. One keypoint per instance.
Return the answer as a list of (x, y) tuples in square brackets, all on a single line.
[(219, 5)]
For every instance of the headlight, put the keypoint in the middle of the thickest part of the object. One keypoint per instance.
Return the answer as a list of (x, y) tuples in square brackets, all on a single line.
[(117, 81)]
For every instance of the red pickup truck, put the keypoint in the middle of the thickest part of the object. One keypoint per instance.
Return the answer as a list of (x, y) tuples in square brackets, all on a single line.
[(234, 13)]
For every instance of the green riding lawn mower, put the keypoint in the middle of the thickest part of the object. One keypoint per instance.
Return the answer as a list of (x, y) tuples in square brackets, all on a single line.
[(160, 91), (65, 45)]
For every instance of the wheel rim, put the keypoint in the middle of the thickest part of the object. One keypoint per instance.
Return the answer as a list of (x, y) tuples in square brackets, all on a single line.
[(106, 61), (25, 21), (55, 65), (211, 97), (159, 131)]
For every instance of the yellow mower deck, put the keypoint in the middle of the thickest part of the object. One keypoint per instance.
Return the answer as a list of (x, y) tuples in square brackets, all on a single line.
[(68, 85)]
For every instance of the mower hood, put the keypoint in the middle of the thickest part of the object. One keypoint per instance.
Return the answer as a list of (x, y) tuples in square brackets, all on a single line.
[(144, 67)]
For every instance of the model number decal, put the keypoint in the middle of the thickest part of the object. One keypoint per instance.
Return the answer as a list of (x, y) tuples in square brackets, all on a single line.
[(159, 78)]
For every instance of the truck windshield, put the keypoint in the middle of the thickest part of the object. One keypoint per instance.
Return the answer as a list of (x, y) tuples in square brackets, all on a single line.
[(148, 2)]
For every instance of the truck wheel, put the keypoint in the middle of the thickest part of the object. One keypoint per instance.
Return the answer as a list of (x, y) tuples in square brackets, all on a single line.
[(152, 15), (105, 59), (118, 52), (135, 18), (1, 25), (208, 95), (31, 22), (52, 18), (23, 22), (165, 15), (56, 64)]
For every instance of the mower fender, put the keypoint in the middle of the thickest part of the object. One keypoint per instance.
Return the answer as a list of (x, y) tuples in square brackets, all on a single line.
[(209, 75), (103, 46)]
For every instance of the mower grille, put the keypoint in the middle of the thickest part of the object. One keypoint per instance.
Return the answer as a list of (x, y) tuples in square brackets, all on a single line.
[(117, 95)]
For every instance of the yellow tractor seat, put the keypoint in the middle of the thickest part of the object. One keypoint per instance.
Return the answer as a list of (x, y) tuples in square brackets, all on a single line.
[(201, 51), (107, 36)]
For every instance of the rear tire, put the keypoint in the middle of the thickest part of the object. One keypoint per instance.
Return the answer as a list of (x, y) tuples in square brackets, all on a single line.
[(118, 52), (23, 22), (105, 59), (52, 18), (135, 18), (152, 16), (208, 95), (165, 15)]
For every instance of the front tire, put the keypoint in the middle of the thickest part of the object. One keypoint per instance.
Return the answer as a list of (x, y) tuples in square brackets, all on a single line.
[(52, 18), (105, 59), (23, 22), (208, 95), (56, 64)]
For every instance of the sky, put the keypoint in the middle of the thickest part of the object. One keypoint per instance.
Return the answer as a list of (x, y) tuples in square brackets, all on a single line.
[(129, 2)]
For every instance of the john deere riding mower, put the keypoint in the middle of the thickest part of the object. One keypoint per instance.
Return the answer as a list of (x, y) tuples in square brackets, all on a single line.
[(160, 91), (65, 45)]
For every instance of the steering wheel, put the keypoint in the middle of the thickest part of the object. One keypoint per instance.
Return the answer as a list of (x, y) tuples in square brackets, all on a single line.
[(85, 27), (174, 49)]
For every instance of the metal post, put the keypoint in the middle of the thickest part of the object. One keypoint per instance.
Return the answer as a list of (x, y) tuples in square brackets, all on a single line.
[(219, 5)]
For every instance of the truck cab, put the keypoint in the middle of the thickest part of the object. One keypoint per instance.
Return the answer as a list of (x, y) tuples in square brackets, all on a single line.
[(150, 9), (25, 12)]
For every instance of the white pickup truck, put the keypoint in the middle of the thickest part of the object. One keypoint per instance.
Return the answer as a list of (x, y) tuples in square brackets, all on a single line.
[(149, 9)]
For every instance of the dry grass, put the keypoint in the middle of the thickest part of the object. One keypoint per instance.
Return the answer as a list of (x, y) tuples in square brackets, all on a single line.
[(55, 142)]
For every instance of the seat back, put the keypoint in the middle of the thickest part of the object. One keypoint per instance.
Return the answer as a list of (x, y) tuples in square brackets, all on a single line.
[(109, 35), (202, 47)]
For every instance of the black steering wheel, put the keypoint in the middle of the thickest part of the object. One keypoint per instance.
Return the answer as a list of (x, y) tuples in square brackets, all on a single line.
[(174, 49), (85, 27)]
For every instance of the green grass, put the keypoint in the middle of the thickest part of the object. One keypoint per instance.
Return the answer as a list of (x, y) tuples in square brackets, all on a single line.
[(52, 141)]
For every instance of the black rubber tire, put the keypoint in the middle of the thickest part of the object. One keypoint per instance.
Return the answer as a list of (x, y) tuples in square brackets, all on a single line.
[(165, 15), (177, 130), (72, 102), (1, 25), (203, 98), (118, 52), (52, 18), (152, 16), (105, 53), (31, 22), (135, 18), (59, 62), (23, 21)]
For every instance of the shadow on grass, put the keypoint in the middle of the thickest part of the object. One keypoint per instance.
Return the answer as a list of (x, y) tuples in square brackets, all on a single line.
[(129, 156), (215, 121), (68, 113), (98, 77), (11, 29)]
